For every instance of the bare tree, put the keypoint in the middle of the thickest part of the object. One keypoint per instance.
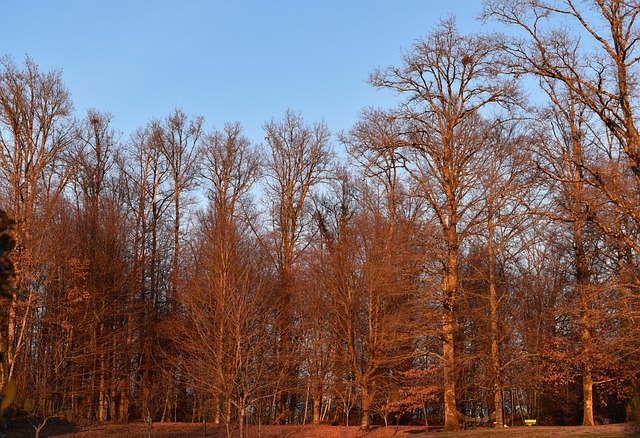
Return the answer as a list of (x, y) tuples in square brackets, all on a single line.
[(569, 140), (225, 341), (371, 289), (299, 160), (389, 272), (180, 145), (505, 182), (35, 130), (148, 196), (446, 81), (103, 234), (375, 142), (588, 47), (178, 141), (231, 166)]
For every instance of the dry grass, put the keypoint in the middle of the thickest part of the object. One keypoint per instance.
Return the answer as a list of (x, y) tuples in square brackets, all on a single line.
[(186, 430)]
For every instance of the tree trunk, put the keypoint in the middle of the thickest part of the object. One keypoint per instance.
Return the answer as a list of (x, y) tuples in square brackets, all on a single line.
[(11, 334), (217, 411), (587, 396), (498, 403), (114, 367), (228, 403), (366, 409), (102, 392), (124, 399), (448, 327), (241, 415), (176, 256), (317, 405), (495, 343), (450, 408), (166, 410), (281, 403), (583, 285)]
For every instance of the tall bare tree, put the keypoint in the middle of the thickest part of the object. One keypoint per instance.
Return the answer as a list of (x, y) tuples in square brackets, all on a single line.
[(588, 46), (102, 229), (382, 227), (445, 83), (231, 166), (148, 197), (569, 140), (583, 53), (35, 131), (505, 181), (300, 156), (372, 291), (180, 145), (225, 340), (178, 139)]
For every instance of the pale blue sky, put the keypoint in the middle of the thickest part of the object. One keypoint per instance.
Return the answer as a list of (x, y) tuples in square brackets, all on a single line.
[(244, 61)]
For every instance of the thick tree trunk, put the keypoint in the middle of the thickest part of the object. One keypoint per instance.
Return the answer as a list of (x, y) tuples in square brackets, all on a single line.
[(587, 395), (124, 399), (450, 408), (317, 405), (583, 284), (498, 403), (495, 342), (366, 409), (448, 327)]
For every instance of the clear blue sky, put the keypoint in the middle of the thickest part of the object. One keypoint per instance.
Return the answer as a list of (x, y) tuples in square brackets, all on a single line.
[(234, 60)]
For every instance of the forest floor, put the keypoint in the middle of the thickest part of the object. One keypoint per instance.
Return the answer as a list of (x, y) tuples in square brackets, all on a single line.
[(188, 430)]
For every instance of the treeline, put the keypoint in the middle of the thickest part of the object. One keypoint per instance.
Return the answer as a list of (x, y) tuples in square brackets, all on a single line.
[(474, 259)]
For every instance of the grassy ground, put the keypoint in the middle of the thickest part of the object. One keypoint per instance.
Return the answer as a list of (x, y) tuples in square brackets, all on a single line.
[(186, 430), (608, 431)]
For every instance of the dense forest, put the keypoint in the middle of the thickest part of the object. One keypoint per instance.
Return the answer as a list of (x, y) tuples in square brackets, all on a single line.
[(470, 255)]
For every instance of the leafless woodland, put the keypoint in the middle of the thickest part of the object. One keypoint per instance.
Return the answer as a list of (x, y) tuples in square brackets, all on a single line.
[(467, 257)]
